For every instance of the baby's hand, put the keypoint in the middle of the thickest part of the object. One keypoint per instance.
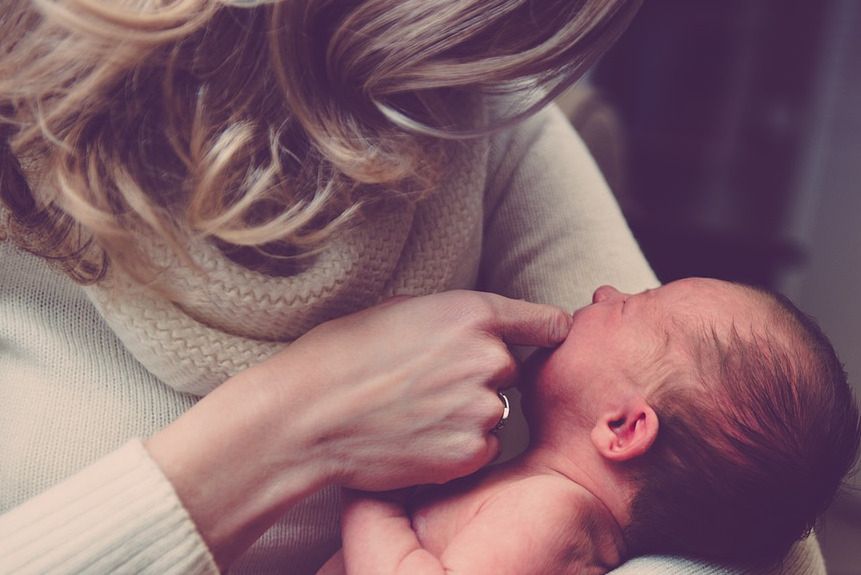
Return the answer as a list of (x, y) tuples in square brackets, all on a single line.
[(379, 539)]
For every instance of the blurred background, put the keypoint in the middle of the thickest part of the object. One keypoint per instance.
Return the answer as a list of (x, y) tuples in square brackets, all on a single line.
[(731, 133)]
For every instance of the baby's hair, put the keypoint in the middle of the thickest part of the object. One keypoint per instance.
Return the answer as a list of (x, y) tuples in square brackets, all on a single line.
[(255, 123), (747, 459)]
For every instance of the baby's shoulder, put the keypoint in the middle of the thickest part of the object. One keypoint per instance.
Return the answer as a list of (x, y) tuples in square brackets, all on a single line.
[(546, 491), (563, 519), (542, 505)]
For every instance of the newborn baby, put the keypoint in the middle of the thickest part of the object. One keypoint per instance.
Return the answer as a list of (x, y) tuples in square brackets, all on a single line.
[(701, 418)]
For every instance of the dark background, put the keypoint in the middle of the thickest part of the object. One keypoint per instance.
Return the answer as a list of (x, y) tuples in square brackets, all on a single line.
[(717, 98)]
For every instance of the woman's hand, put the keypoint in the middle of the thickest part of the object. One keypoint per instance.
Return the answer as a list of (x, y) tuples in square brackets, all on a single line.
[(407, 391), (394, 395)]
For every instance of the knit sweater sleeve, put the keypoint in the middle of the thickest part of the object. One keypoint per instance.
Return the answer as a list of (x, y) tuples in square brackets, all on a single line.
[(119, 515), (553, 231), (77, 493), (552, 234)]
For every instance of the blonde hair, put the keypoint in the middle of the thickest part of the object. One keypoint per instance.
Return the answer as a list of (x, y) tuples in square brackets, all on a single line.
[(253, 124)]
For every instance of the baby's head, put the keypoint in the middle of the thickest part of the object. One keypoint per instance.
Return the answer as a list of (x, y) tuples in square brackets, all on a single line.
[(725, 408)]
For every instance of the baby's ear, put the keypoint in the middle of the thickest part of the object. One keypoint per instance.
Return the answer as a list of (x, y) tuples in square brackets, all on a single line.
[(626, 433)]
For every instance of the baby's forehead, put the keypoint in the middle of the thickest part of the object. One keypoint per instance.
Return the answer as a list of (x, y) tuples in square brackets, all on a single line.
[(692, 302), (697, 315), (706, 289)]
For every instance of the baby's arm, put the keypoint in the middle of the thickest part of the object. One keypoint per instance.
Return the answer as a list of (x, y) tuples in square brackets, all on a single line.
[(536, 529)]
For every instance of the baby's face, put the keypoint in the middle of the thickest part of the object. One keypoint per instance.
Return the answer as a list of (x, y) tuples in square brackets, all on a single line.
[(631, 339)]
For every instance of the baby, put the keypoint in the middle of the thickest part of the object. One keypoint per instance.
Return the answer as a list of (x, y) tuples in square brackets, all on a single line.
[(701, 418)]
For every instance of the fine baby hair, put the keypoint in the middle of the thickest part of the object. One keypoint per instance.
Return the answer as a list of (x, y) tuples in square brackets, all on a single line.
[(752, 454)]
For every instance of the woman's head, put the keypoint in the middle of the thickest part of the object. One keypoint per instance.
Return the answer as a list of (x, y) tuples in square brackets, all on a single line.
[(254, 124)]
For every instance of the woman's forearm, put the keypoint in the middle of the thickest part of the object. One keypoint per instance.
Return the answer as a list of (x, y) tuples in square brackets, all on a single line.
[(234, 471)]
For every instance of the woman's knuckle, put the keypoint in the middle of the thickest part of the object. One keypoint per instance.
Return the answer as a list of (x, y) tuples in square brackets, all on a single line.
[(499, 360), (474, 447), (466, 445), (493, 355), (485, 413), (492, 414), (509, 370), (475, 308)]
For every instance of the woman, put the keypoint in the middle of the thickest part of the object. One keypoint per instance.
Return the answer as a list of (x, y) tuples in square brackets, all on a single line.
[(225, 179)]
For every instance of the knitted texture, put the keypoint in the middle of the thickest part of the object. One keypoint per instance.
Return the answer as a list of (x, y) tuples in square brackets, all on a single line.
[(230, 317), (122, 511), (69, 394)]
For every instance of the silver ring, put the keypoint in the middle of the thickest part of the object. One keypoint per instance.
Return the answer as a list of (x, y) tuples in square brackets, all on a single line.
[(506, 410)]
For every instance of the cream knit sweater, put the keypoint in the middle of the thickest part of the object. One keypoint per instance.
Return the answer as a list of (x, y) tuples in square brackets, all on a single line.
[(85, 373)]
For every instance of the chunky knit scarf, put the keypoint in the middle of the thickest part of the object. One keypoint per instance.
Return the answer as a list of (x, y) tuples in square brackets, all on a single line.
[(230, 317)]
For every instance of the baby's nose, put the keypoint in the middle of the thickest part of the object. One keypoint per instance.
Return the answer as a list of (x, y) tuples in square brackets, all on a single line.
[(606, 292)]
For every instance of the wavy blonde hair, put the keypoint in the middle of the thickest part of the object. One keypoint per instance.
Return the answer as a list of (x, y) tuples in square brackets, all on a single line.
[(253, 125)]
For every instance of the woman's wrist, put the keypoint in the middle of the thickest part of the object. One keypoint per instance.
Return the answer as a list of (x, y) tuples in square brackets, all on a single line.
[(237, 463)]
